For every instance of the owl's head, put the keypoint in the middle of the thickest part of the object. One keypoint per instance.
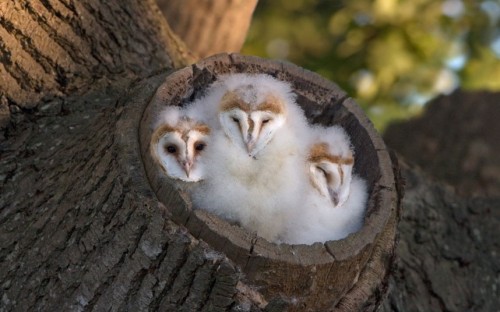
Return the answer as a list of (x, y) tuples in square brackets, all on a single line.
[(178, 146), (330, 172), (251, 125), (252, 109)]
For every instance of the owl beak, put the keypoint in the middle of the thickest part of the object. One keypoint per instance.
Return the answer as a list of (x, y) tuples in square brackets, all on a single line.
[(250, 144), (187, 165), (334, 197)]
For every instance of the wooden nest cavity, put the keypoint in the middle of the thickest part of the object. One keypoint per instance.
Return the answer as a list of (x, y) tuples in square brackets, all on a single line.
[(340, 274)]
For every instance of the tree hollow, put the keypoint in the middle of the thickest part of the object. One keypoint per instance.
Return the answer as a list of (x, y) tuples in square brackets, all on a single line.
[(345, 274)]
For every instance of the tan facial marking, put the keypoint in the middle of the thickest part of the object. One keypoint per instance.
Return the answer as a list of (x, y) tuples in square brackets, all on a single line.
[(251, 125), (271, 104), (160, 132), (188, 126), (231, 100), (201, 128), (319, 152)]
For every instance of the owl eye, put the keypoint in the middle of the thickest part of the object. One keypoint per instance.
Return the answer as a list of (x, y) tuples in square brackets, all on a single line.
[(323, 171), (200, 146), (171, 149), (266, 121), (236, 119)]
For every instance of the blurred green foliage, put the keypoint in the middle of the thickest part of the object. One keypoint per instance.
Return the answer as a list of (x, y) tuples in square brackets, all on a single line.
[(392, 56)]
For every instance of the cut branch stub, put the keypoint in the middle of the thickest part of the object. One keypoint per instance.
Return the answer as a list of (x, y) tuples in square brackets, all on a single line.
[(346, 274)]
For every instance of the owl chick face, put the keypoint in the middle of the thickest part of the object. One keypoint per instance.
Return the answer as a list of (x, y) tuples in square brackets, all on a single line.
[(330, 174), (250, 124), (178, 149)]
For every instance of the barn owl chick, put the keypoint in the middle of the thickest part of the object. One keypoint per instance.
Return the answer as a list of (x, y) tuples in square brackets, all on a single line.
[(334, 199), (256, 116), (178, 143), (330, 163)]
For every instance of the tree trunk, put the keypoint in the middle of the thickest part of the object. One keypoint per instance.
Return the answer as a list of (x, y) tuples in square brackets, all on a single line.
[(456, 140), (337, 275), (54, 48), (211, 26), (76, 230), (81, 228), (447, 257), (448, 251), (81, 231)]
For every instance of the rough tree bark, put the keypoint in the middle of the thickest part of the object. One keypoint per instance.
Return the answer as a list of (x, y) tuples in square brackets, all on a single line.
[(76, 232), (210, 27), (456, 140), (79, 232), (448, 255), (55, 48)]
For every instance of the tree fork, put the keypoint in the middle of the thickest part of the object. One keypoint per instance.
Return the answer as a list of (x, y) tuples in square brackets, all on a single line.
[(210, 27)]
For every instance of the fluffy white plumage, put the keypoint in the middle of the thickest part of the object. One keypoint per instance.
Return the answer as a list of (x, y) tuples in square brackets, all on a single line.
[(319, 221), (253, 177), (333, 200), (265, 167), (330, 162), (178, 144)]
